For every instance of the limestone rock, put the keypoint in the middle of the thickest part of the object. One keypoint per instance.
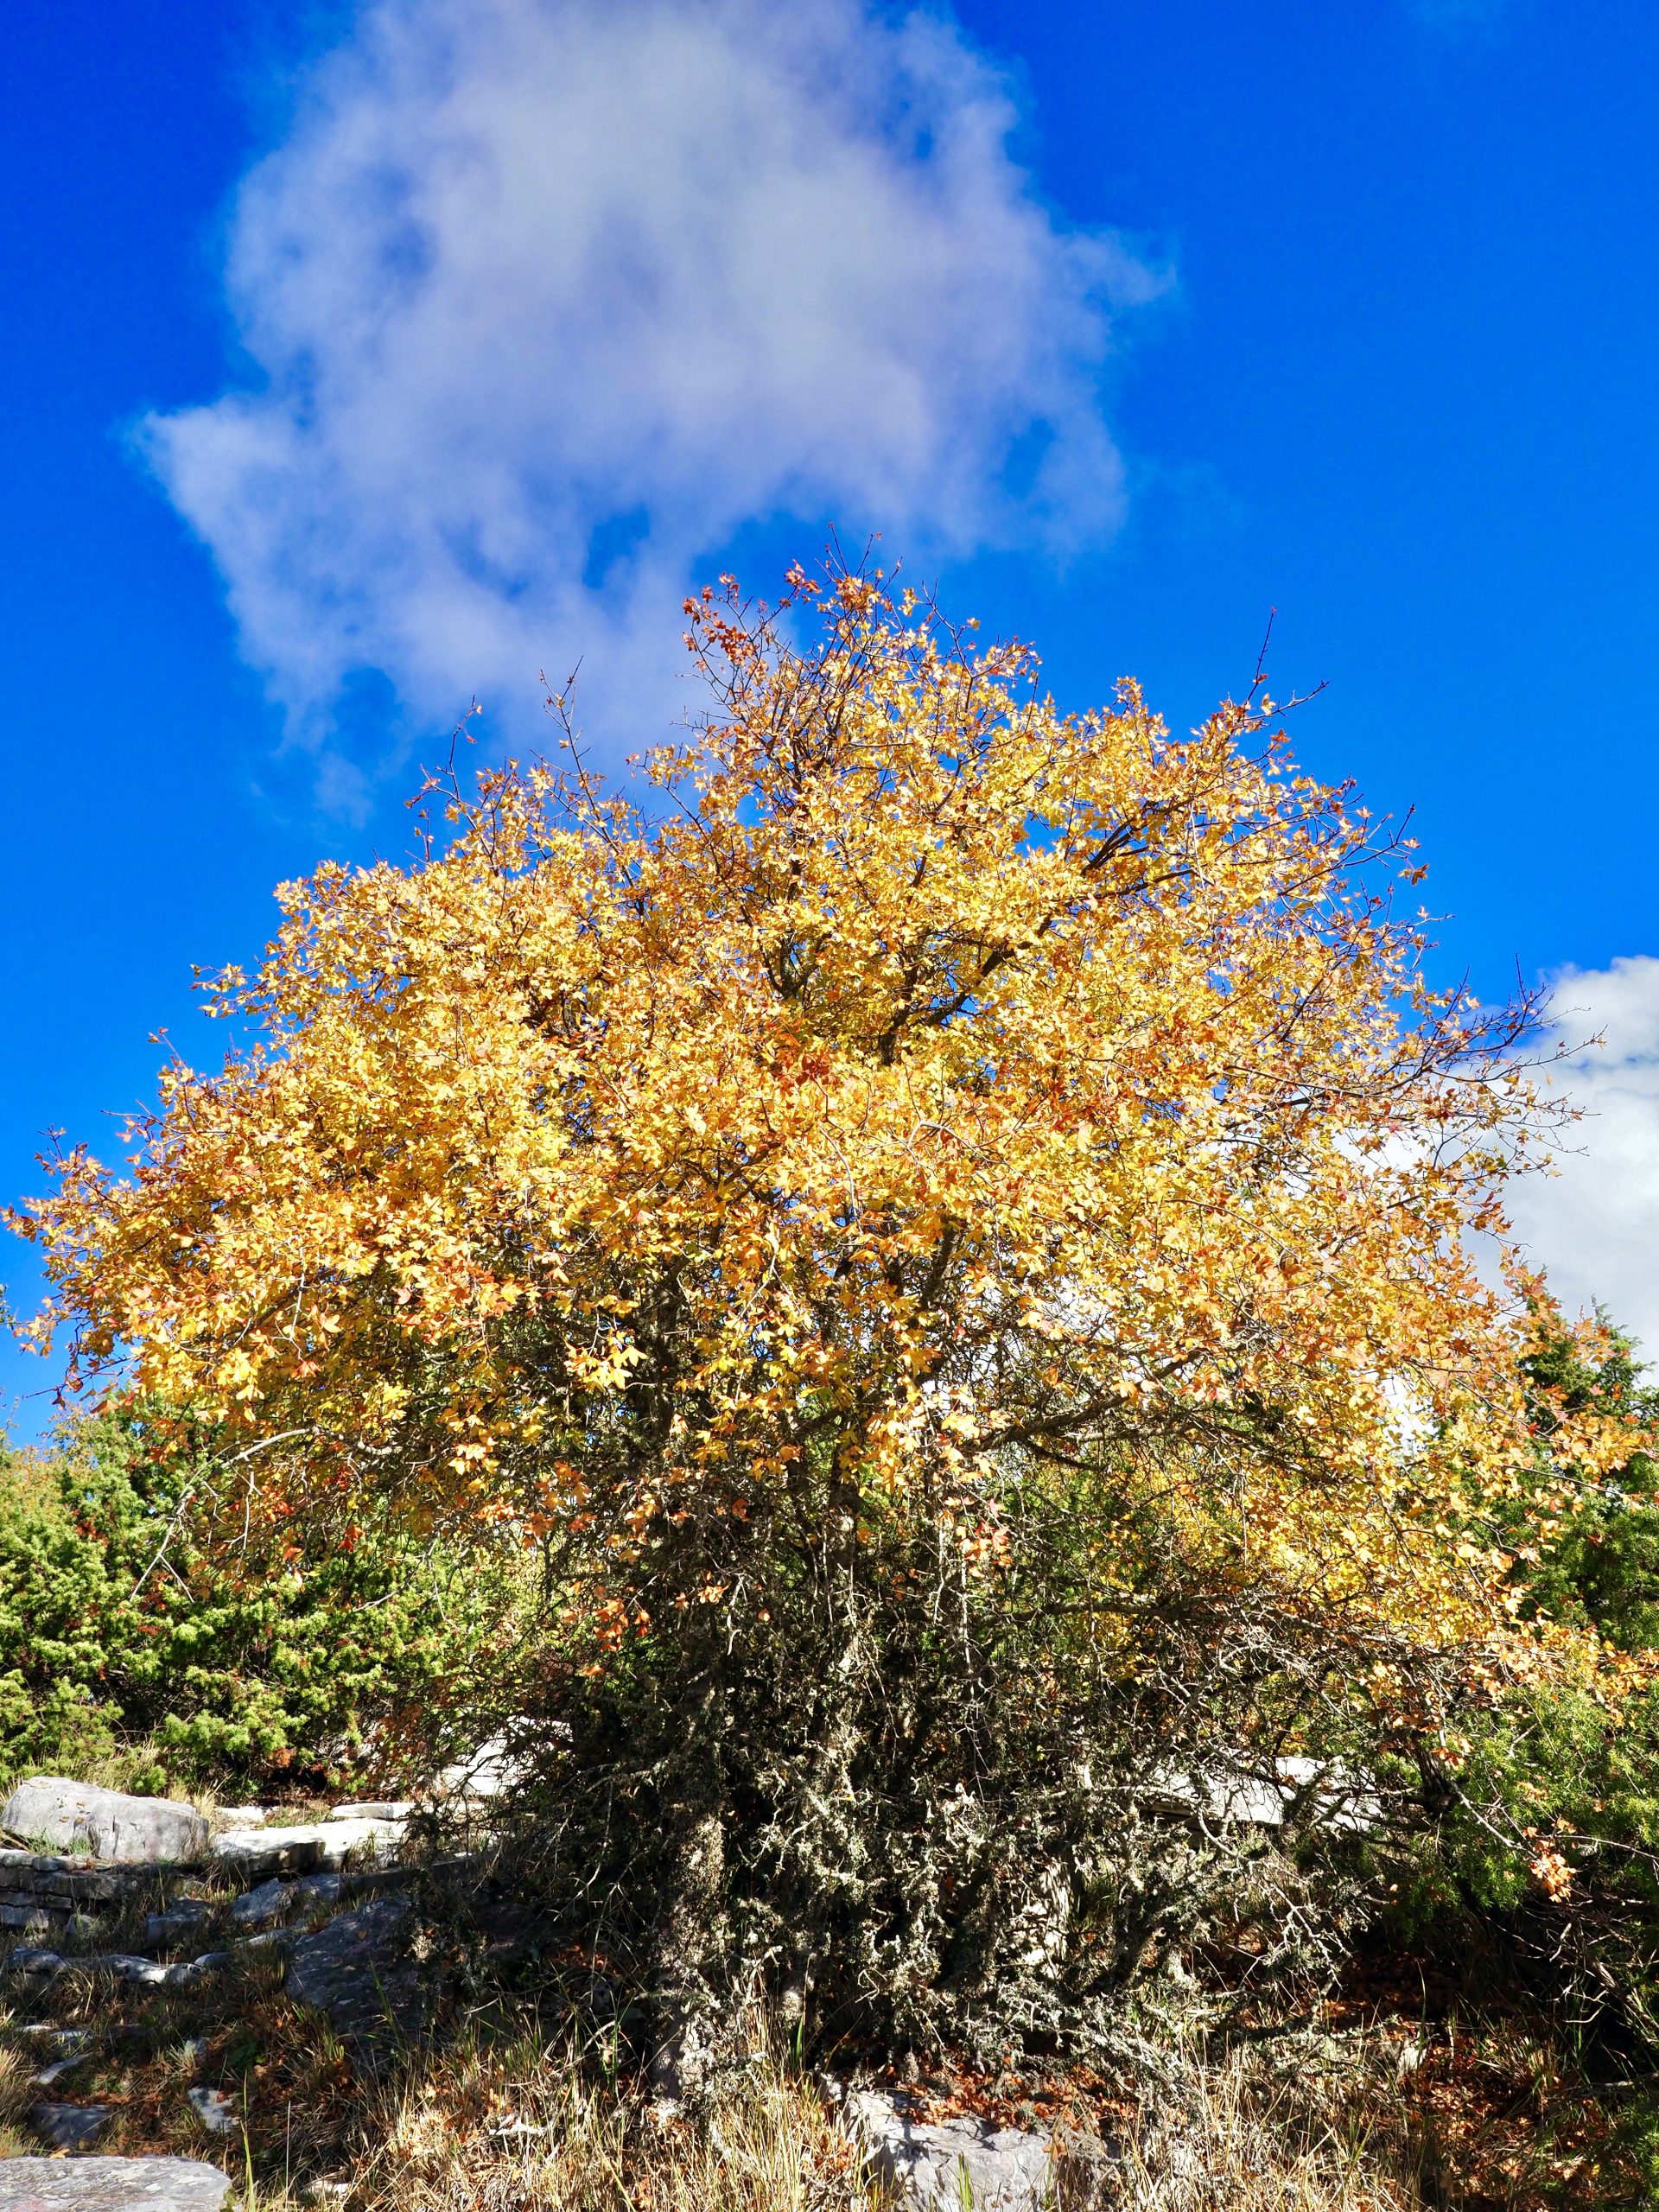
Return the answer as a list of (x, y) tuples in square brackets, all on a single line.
[(69, 2127), (217, 2113), (30, 1962), (76, 1816), (44, 1968), (1234, 1795), (355, 1968), (494, 1769), (110, 2185), (32, 1918), (60, 2069), (938, 2167), (56, 1883), (183, 1918), (274, 1902), (256, 1855)]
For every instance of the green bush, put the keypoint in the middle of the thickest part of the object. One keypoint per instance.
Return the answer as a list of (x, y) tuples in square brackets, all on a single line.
[(1538, 1864), (135, 1607)]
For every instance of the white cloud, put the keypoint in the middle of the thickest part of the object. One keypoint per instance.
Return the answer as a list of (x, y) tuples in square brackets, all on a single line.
[(1595, 1226), (542, 300)]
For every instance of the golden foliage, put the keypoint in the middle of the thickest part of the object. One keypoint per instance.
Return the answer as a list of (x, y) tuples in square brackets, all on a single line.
[(916, 1074)]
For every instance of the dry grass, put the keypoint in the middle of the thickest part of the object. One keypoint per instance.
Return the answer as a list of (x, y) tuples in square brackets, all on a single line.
[(521, 2128), (1232, 2143), (1389, 2116)]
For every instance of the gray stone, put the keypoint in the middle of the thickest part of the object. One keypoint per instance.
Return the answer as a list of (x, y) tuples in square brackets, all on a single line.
[(110, 2185), (940, 2165), (125, 1969), (59, 2069), (241, 1816), (30, 1964), (494, 1769), (189, 1972), (256, 1855), (33, 1918), (1334, 1796), (274, 1902), (252, 1855), (74, 1816), (1344, 1799), (370, 1842), (69, 2127), (56, 1881), (123, 1966), (183, 1918), (379, 1809), (355, 1969)]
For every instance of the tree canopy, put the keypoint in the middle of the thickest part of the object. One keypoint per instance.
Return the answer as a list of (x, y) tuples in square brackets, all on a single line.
[(915, 1082)]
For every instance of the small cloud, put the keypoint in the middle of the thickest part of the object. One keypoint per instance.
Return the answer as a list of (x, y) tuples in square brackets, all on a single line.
[(1595, 1226), (542, 300)]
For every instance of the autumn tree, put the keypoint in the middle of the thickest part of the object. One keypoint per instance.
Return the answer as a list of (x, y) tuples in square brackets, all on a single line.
[(945, 1221)]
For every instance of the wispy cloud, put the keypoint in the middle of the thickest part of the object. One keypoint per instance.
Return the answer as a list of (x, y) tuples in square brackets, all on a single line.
[(542, 300), (1595, 1226)]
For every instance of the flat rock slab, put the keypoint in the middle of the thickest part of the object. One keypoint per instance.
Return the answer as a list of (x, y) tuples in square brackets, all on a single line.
[(75, 1816), (69, 2127), (110, 2185), (31, 1964), (355, 1969), (125, 1969), (1326, 1792), (218, 2113), (258, 1854), (32, 1918), (940, 2165)]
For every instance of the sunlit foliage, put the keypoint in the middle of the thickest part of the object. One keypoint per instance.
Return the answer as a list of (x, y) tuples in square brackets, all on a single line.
[(915, 1076)]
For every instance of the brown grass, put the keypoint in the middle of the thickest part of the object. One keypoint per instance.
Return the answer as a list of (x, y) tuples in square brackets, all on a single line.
[(521, 2129), (1389, 2116)]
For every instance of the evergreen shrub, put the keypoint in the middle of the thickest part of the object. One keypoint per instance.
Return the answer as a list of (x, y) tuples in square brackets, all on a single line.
[(132, 1611)]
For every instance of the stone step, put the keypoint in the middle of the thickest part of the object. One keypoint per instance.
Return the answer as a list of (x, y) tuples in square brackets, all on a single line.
[(50, 1893), (273, 1916), (69, 2127), (274, 1902), (51, 1878), (256, 1855), (179, 1920)]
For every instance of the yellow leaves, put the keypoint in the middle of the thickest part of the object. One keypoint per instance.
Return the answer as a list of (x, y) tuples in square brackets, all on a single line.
[(937, 1072)]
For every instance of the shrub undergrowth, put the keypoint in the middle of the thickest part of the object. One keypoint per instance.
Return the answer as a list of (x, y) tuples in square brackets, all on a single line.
[(134, 1611)]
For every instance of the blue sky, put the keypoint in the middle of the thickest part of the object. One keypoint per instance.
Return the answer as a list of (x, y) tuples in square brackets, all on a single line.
[(1126, 322)]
